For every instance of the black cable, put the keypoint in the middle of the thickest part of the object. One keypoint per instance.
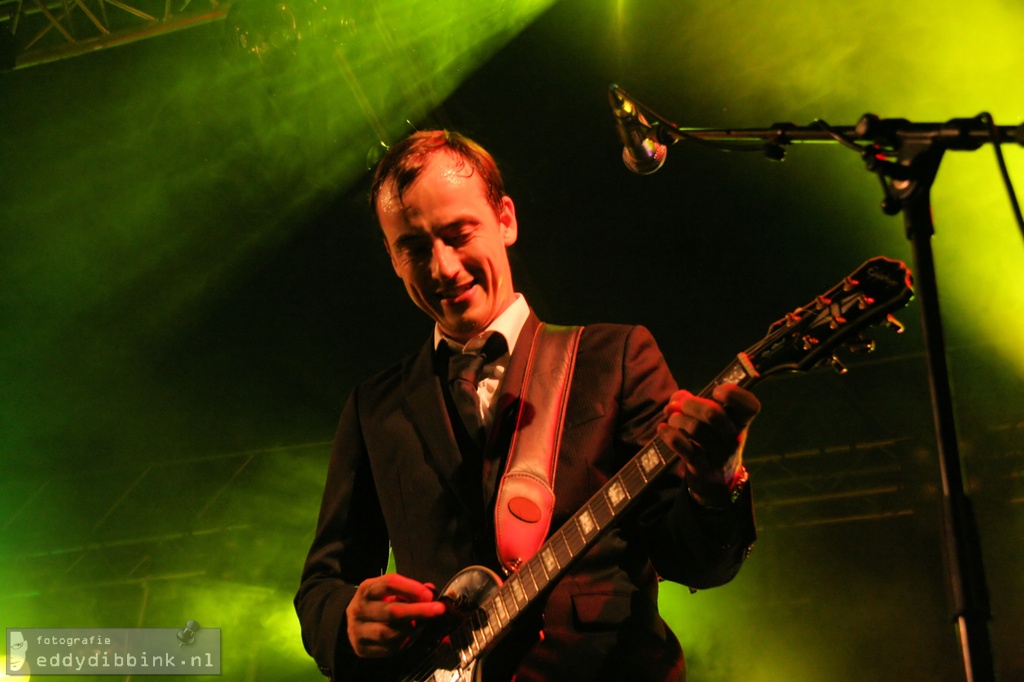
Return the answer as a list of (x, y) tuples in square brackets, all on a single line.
[(821, 123), (986, 118)]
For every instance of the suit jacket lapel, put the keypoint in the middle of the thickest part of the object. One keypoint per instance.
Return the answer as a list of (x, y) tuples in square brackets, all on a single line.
[(507, 409)]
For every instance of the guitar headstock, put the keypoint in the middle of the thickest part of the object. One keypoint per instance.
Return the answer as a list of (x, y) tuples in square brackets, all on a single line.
[(810, 335)]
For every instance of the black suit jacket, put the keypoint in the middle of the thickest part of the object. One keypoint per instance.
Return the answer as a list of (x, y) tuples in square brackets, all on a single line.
[(397, 475)]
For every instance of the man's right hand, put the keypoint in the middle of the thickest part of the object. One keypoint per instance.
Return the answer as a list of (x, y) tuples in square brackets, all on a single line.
[(384, 612)]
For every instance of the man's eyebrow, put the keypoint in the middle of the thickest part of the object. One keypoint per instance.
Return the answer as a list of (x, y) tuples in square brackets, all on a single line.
[(407, 241), (460, 223)]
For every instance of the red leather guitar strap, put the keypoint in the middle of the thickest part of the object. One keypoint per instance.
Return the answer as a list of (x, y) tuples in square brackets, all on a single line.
[(526, 496)]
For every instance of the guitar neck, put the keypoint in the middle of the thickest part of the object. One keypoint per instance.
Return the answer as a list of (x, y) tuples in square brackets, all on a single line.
[(582, 530)]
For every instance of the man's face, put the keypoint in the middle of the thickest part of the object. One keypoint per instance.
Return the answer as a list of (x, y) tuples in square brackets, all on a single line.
[(18, 651), (448, 245)]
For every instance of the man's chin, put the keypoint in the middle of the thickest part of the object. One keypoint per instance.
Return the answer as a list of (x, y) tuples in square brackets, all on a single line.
[(462, 328)]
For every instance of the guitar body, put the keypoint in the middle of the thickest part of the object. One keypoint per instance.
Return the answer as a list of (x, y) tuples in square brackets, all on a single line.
[(434, 655)]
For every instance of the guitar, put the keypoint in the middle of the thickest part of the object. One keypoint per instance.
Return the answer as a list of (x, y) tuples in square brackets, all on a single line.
[(483, 607)]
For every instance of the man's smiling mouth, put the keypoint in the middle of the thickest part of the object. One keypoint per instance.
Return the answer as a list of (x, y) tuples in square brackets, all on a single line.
[(456, 294)]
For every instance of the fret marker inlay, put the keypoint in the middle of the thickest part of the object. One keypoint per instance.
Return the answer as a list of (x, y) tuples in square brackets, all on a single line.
[(616, 494), (548, 557), (517, 591), (586, 523), (650, 460)]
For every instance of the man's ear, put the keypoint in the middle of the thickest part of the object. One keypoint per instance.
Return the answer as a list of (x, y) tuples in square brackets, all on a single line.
[(507, 221)]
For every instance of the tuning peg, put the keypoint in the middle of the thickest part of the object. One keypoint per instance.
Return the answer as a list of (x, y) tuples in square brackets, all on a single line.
[(861, 346), (836, 322), (865, 302), (837, 365), (892, 323)]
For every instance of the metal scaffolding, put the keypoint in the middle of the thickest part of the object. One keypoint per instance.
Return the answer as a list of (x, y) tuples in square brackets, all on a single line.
[(36, 32)]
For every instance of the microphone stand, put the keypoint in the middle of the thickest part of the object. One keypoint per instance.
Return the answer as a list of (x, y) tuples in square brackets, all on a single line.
[(907, 181)]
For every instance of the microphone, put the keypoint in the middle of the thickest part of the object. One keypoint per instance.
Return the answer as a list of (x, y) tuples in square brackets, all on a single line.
[(641, 151)]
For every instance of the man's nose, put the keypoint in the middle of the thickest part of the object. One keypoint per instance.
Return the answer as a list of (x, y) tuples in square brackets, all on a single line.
[(444, 264)]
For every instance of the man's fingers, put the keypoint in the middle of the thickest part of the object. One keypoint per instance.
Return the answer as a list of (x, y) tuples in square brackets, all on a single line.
[(396, 612), (397, 586), (385, 610), (394, 599), (728, 412), (709, 431), (741, 405), (675, 439), (376, 640), (675, 403), (379, 635), (706, 424)]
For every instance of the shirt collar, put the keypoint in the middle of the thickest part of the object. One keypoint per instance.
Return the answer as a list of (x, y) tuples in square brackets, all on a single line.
[(509, 323)]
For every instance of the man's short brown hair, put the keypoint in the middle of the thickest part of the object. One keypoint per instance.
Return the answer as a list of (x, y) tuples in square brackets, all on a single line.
[(405, 160)]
